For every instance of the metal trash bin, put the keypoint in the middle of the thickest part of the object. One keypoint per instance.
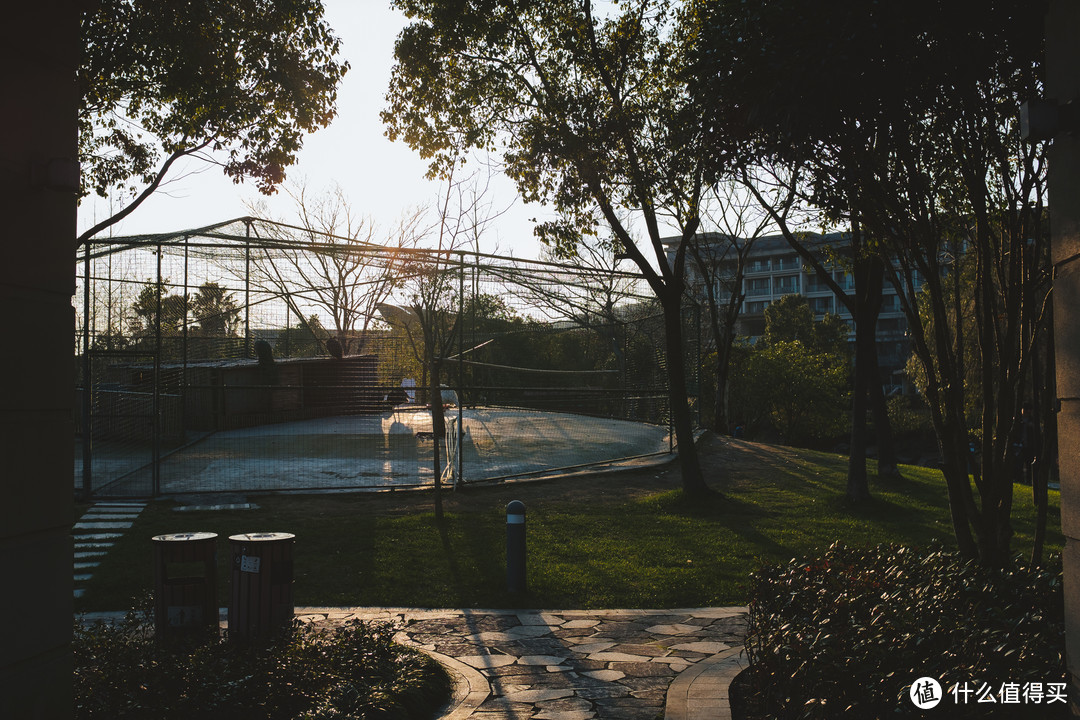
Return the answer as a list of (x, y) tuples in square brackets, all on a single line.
[(185, 583), (262, 577)]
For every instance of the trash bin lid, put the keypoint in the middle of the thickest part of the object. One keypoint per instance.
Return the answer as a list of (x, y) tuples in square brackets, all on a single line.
[(184, 537), (261, 537)]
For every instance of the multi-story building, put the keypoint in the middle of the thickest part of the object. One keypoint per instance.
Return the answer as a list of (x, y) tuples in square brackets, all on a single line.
[(772, 270)]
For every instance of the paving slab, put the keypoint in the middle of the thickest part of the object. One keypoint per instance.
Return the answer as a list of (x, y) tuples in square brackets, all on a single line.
[(499, 674), (616, 664)]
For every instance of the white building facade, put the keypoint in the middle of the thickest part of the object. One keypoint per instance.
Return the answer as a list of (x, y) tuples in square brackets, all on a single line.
[(772, 270)]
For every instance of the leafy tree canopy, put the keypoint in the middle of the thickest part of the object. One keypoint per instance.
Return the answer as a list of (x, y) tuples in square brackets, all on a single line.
[(587, 110), (790, 319), (839, 84), (236, 81)]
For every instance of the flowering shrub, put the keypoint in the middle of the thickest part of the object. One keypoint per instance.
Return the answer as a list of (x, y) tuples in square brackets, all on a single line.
[(352, 672), (846, 635)]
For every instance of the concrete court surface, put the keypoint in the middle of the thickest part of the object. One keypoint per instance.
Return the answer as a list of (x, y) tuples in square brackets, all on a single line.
[(393, 449)]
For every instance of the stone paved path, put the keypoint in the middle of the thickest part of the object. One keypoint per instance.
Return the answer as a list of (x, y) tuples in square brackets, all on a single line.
[(576, 664)]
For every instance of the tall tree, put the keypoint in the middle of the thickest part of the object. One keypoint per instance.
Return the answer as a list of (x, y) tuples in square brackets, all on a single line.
[(719, 259), (591, 295), (237, 83), (589, 112), (907, 116), (335, 259), (215, 310), (433, 283)]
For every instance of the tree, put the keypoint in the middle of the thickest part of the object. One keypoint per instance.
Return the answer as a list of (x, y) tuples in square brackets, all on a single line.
[(796, 376), (155, 309), (906, 115), (215, 310), (433, 282), (335, 259), (866, 267), (589, 113), (719, 265), (237, 83), (799, 390), (590, 296)]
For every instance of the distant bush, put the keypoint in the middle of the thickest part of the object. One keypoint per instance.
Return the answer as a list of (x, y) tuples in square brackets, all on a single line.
[(908, 415), (352, 672), (846, 634)]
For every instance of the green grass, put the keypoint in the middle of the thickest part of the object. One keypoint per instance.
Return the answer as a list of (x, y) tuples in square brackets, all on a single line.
[(619, 541)]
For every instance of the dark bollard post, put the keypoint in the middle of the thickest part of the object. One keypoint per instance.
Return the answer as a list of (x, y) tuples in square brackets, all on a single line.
[(515, 546)]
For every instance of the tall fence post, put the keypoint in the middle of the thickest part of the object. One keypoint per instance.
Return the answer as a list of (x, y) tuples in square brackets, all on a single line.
[(461, 369), (155, 457), (87, 417)]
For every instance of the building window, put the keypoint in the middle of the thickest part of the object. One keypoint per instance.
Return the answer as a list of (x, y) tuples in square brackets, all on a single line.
[(757, 307), (757, 286), (821, 305), (787, 285), (814, 283), (758, 265), (787, 262)]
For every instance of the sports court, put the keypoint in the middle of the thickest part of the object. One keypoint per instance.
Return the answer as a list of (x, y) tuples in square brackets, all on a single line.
[(393, 450), (247, 356)]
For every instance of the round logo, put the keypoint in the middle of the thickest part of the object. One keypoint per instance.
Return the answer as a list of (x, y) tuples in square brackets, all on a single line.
[(925, 693)]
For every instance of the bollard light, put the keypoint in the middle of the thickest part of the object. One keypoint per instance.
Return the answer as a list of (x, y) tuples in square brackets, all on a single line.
[(515, 546)]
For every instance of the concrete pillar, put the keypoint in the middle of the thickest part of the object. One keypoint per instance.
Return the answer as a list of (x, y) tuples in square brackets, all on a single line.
[(1063, 84), (38, 142)]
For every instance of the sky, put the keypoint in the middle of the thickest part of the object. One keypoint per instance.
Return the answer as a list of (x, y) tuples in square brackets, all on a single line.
[(381, 179)]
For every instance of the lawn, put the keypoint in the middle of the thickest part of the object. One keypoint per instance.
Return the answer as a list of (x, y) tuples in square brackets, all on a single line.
[(623, 540)]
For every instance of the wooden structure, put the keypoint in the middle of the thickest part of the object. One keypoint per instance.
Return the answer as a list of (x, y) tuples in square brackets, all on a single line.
[(185, 584), (262, 577)]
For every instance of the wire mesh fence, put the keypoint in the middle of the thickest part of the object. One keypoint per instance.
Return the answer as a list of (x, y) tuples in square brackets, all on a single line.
[(254, 356)]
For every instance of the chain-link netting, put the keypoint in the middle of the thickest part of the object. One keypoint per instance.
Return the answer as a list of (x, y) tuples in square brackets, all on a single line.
[(254, 356)]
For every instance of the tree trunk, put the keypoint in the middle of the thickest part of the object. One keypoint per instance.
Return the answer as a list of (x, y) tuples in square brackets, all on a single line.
[(858, 489), (868, 273), (690, 465), (886, 462), (438, 429), (1046, 449), (720, 419)]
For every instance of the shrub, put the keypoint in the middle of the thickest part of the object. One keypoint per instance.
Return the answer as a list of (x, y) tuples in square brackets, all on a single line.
[(306, 673), (845, 635)]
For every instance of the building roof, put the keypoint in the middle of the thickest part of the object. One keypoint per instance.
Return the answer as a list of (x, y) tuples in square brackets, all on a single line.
[(766, 244)]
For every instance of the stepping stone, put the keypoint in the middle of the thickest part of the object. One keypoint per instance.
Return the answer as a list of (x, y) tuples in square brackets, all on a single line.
[(577, 624), (532, 696), (617, 657), (708, 648), (523, 631), (678, 629), (593, 647), (605, 675), (541, 660), (84, 554), (82, 578), (102, 525), (483, 662), (79, 592), (565, 715), (539, 619), (99, 536), (111, 514), (86, 565)]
